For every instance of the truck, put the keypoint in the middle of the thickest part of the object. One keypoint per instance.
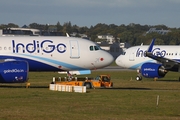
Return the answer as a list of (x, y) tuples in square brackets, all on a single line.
[(100, 81)]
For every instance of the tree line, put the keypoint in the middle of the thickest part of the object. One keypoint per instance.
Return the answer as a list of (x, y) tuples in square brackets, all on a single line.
[(134, 34)]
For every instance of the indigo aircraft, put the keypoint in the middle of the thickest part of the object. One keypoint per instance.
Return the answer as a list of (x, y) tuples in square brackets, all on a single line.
[(151, 61), (19, 55)]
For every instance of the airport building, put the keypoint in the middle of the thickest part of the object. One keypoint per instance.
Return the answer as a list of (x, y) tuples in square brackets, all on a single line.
[(159, 31), (111, 45), (20, 31), (28, 32), (114, 49)]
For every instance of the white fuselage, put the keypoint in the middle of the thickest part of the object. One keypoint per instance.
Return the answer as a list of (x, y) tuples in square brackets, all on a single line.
[(54, 53), (134, 57)]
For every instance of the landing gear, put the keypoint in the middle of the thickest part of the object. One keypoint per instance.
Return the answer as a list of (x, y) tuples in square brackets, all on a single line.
[(139, 76)]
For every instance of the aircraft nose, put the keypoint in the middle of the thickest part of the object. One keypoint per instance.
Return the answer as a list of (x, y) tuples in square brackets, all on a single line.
[(106, 59), (110, 59), (118, 61)]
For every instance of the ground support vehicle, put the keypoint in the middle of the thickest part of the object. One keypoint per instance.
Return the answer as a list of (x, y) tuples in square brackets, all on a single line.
[(99, 82)]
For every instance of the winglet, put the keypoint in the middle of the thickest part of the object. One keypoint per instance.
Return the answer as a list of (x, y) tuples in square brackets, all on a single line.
[(151, 45)]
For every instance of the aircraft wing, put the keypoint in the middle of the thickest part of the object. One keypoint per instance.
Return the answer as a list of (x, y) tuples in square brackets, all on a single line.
[(166, 62)]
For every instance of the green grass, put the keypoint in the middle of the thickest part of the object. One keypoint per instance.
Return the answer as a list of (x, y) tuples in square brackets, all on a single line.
[(113, 64), (128, 100)]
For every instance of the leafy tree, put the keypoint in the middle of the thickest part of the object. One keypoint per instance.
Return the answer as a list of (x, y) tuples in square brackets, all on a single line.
[(135, 34), (67, 27), (12, 25), (33, 25), (59, 27)]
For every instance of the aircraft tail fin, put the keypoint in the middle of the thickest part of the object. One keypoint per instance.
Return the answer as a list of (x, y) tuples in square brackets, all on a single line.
[(151, 45)]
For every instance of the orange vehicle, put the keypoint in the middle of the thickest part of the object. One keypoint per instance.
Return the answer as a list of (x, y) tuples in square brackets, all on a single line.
[(98, 82)]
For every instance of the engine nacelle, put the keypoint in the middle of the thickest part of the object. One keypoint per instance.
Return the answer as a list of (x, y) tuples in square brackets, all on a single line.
[(14, 72), (152, 70)]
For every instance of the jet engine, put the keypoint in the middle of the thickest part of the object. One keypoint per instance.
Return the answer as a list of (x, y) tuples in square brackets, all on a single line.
[(152, 70), (14, 71)]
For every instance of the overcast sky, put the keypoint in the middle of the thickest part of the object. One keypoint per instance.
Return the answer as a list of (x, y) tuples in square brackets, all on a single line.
[(91, 12)]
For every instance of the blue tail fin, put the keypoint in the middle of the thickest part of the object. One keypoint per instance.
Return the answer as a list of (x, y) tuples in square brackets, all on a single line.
[(151, 45)]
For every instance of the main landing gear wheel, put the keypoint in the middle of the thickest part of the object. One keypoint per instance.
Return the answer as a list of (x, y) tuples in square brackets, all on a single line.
[(138, 78)]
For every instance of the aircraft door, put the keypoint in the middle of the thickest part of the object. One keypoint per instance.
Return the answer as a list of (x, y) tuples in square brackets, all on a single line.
[(74, 49), (132, 54)]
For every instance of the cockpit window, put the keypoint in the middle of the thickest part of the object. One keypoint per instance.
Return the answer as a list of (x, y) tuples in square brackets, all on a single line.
[(91, 48), (94, 48)]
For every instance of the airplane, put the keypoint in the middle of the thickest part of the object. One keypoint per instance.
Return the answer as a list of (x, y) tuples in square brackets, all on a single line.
[(21, 54), (153, 61)]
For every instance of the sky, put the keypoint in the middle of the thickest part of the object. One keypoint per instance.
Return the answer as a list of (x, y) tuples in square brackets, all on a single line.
[(91, 12)]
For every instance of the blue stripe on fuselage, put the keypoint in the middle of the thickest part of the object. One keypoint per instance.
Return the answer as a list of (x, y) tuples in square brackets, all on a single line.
[(136, 66), (56, 62), (43, 66), (34, 65)]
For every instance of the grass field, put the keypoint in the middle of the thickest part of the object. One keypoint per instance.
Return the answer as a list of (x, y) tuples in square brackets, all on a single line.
[(127, 100)]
